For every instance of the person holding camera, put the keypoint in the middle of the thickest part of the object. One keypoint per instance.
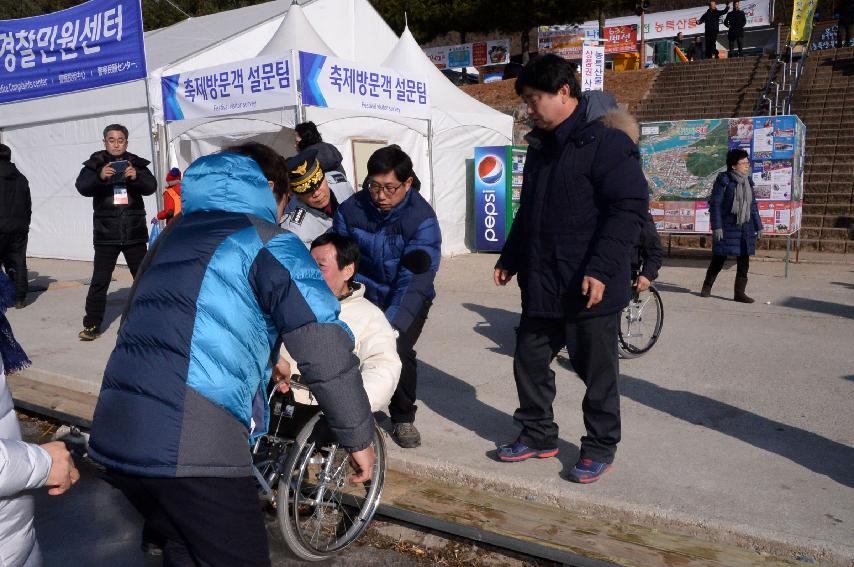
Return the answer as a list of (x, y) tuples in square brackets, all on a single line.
[(116, 181)]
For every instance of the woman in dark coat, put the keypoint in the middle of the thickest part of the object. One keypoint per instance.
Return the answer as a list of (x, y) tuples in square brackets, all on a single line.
[(735, 222)]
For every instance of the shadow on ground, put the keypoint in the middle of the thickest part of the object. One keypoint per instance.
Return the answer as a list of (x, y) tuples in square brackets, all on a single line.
[(457, 401), (816, 453), (817, 306), (499, 326)]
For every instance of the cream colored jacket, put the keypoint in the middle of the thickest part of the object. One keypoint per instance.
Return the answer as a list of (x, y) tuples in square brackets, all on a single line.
[(376, 348)]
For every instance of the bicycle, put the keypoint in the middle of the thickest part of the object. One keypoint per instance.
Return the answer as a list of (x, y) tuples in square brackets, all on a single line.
[(640, 323), (304, 476)]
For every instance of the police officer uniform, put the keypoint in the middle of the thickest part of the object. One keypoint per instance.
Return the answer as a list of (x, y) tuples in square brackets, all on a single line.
[(306, 176)]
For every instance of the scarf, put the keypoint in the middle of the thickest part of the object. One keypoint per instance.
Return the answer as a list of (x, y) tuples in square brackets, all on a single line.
[(742, 199), (14, 357)]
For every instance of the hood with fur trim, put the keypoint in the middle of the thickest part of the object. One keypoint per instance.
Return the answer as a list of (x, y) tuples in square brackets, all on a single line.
[(603, 106)]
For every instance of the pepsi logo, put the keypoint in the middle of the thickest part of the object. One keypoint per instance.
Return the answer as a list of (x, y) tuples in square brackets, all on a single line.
[(490, 170)]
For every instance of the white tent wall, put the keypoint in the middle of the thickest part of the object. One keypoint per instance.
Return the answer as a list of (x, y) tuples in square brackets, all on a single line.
[(191, 139), (340, 128), (51, 156)]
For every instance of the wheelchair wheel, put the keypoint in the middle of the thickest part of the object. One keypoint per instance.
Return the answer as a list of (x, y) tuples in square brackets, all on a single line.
[(319, 511), (640, 323)]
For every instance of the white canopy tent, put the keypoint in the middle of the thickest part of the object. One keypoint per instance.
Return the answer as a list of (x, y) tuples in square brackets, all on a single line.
[(67, 128)]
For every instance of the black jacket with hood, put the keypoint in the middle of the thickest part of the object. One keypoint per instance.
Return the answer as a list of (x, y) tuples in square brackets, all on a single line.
[(121, 225), (584, 197), (15, 204)]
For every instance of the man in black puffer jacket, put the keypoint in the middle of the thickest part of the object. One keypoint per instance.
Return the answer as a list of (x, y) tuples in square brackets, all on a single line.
[(116, 180), (15, 213), (584, 197)]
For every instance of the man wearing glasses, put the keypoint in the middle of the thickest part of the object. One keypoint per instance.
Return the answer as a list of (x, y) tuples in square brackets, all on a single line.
[(400, 241), (318, 194), (116, 180)]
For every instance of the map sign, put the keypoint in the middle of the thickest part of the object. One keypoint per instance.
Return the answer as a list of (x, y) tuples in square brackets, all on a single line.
[(682, 159)]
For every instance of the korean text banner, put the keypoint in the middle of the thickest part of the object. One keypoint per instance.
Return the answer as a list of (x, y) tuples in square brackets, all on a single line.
[(665, 25), (802, 18), (338, 83), (92, 45), (243, 86), (592, 67)]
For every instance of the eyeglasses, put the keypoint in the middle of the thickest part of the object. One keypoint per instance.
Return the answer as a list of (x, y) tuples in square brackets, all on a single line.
[(387, 190)]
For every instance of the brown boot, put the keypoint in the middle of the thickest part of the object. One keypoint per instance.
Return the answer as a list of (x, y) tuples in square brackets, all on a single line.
[(740, 296)]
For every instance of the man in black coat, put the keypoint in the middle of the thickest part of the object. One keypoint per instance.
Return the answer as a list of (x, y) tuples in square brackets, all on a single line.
[(649, 256), (15, 213), (116, 180), (712, 19), (735, 22), (584, 197)]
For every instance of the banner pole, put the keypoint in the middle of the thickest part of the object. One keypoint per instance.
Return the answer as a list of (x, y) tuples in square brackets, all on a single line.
[(154, 135)]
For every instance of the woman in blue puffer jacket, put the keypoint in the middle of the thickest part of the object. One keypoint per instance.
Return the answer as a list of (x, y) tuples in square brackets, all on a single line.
[(736, 224)]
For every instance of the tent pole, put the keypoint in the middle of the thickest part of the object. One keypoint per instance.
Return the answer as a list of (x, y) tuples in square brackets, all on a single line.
[(154, 139), (430, 162)]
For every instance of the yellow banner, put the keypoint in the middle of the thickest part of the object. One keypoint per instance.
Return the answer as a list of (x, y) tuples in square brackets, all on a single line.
[(802, 16)]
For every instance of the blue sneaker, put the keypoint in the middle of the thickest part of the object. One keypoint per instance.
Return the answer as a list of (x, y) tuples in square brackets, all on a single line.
[(586, 471), (517, 451)]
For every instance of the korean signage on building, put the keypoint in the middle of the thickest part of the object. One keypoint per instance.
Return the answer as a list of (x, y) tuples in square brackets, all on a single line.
[(592, 67), (92, 45), (479, 54), (665, 25), (243, 86), (338, 83), (567, 41)]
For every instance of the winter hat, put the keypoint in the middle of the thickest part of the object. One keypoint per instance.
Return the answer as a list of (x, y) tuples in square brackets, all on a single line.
[(173, 175)]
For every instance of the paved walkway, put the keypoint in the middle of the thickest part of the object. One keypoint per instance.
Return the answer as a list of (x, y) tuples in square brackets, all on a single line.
[(738, 426)]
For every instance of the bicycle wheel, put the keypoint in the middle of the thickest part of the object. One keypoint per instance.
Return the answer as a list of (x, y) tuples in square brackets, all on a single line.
[(640, 323), (320, 512)]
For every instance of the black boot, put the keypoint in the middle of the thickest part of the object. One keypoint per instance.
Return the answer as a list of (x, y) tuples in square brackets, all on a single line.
[(707, 284), (740, 296)]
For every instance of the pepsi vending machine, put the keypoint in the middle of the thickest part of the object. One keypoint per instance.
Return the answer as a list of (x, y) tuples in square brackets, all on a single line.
[(497, 187)]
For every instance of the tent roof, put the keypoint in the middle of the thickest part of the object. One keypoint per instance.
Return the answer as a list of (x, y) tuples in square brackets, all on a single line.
[(352, 28), (408, 58), (171, 44), (296, 32)]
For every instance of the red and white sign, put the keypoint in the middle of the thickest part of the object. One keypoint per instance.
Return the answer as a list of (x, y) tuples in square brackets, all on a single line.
[(621, 39), (668, 24)]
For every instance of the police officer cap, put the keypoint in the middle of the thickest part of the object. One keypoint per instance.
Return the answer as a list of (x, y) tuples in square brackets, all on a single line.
[(304, 172)]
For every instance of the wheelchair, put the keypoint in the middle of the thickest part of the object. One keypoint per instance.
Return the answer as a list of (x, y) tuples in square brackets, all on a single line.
[(303, 474)]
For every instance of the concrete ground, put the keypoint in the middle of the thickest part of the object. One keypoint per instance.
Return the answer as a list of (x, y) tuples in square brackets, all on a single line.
[(738, 426)]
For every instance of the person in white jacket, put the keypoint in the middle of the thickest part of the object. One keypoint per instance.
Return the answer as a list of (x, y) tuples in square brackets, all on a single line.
[(375, 339), (23, 466)]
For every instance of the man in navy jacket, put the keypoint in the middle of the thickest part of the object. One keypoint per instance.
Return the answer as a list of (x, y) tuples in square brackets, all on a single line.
[(584, 197), (399, 237)]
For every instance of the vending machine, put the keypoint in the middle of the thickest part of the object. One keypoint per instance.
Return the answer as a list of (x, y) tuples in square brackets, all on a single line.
[(497, 189)]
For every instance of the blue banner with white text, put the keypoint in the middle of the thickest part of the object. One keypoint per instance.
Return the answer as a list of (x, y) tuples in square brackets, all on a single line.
[(95, 44)]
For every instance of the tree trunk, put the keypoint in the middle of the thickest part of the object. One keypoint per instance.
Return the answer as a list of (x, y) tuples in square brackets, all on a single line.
[(601, 21), (525, 45)]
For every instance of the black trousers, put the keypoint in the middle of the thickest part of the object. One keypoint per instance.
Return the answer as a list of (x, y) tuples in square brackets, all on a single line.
[(102, 273), (402, 406), (592, 347), (204, 521), (739, 41), (13, 257), (711, 46), (717, 263)]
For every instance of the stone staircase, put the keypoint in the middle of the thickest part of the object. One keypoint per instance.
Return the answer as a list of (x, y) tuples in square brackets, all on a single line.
[(825, 102), (712, 88)]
